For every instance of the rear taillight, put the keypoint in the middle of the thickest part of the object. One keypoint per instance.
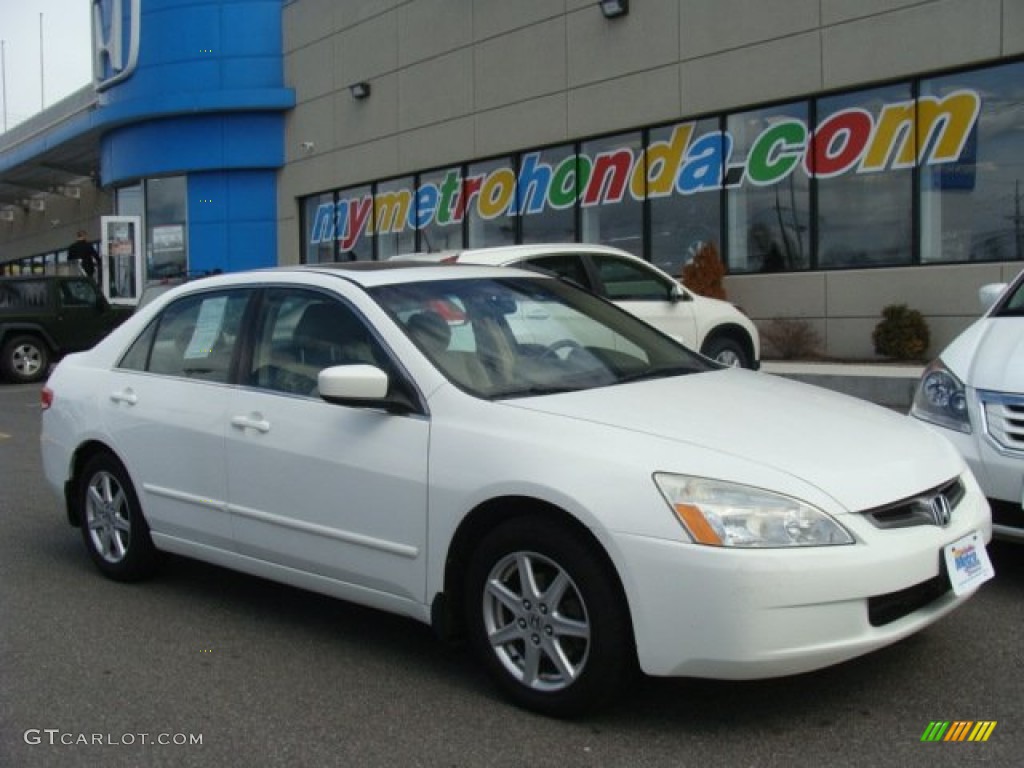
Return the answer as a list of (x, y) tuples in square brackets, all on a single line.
[(46, 398)]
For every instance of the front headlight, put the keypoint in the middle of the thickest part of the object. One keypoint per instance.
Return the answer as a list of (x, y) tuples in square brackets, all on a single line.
[(724, 514), (941, 398)]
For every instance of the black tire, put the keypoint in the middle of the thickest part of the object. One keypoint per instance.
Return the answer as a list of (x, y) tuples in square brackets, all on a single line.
[(26, 359), (727, 351), (563, 646), (113, 528)]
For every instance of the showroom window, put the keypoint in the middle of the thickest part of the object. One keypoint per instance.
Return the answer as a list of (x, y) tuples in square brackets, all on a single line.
[(392, 214), (768, 188), (318, 222), (680, 223), (971, 209), (438, 218), (489, 203), (548, 189), (166, 244), (611, 200), (865, 200)]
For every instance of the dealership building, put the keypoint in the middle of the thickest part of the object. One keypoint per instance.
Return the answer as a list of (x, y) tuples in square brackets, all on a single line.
[(840, 155)]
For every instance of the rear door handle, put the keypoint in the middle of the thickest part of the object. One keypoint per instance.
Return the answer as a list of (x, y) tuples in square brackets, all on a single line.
[(126, 395), (255, 421)]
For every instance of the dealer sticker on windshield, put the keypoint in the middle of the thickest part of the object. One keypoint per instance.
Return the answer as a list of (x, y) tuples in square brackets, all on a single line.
[(967, 563)]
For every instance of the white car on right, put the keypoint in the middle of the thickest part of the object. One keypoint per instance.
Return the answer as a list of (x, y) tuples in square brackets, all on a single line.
[(974, 392)]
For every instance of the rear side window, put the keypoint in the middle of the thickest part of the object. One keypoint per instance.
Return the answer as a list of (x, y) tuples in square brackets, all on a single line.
[(23, 294), (195, 337)]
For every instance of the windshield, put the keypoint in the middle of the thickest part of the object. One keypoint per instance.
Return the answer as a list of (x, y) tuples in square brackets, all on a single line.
[(1012, 304), (521, 336)]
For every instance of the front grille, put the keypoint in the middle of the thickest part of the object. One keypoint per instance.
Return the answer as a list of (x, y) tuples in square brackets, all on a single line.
[(885, 609), (918, 510), (1004, 419)]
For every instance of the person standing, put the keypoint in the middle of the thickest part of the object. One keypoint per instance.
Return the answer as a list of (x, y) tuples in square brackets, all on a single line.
[(85, 254)]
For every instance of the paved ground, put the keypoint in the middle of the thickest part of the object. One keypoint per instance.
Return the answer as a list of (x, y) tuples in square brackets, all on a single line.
[(269, 676)]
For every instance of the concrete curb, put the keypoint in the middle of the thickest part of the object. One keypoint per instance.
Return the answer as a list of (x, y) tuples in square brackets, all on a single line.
[(885, 384)]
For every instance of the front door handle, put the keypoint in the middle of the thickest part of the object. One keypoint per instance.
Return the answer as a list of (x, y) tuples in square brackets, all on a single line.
[(254, 421)]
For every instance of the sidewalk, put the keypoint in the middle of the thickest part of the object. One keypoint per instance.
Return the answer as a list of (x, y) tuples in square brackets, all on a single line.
[(888, 384)]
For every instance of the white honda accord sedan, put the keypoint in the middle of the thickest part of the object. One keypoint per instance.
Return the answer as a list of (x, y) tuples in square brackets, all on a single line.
[(518, 462)]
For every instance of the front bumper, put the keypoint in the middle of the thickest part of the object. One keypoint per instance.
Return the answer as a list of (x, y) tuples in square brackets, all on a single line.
[(709, 612)]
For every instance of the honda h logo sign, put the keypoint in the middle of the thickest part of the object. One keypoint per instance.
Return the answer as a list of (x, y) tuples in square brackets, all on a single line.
[(115, 41)]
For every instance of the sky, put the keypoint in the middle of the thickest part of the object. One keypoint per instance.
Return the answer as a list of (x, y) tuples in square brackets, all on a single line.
[(66, 57)]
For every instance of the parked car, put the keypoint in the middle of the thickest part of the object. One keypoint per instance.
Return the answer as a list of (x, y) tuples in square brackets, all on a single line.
[(576, 509), (974, 394), (46, 316), (715, 328)]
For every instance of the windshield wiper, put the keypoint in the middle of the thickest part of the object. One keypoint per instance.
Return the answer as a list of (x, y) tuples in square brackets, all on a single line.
[(663, 372), (535, 390)]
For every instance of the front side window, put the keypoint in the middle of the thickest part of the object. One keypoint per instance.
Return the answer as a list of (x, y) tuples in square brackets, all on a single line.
[(195, 337), (78, 293), (300, 333), (625, 281)]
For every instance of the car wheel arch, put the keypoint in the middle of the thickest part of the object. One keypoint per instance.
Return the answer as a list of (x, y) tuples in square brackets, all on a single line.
[(447, 606), (82, 456)]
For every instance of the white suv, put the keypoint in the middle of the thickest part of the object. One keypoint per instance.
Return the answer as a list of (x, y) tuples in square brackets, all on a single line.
[(975, 392), (716, 329)]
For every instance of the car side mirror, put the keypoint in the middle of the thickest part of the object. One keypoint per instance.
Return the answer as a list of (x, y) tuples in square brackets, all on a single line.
[(989, 294), (678, 293), (360, 386)]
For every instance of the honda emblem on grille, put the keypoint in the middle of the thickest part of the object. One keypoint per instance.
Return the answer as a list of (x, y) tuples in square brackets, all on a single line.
[(940, 510)]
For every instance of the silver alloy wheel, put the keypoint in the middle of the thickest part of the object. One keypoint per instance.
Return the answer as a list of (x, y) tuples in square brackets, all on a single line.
[(26, 359), (107, 517), (536, 621), (728, 357)]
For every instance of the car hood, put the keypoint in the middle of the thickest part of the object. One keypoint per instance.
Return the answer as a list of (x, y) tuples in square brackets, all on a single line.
[(859, 454), (990, 354)]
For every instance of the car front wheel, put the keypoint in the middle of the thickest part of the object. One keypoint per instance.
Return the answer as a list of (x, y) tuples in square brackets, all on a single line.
[(547, 618), (115, 532), (726, 351), (26, 359)]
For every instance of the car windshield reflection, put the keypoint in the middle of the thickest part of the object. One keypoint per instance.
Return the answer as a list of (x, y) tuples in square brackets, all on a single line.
[(520, 336)]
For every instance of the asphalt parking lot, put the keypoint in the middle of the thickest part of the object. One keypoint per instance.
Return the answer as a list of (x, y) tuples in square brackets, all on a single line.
[(204, 667)]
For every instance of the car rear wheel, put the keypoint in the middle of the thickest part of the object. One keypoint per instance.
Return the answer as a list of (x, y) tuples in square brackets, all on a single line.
[(115, 532), (26, 359), (546, 618)]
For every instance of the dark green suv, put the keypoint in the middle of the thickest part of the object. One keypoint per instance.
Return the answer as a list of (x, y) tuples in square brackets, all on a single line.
[(46, 316)]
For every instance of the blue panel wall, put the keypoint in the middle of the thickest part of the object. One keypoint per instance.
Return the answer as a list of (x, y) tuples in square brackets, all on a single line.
[(232, 220)]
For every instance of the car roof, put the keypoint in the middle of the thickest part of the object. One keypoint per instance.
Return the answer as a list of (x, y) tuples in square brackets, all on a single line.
[(364, 273), (505, 254)]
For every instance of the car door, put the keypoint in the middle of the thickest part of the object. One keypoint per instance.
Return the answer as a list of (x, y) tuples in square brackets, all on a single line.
[(648, 294), (166, 404), (334, 491), (80, 320)]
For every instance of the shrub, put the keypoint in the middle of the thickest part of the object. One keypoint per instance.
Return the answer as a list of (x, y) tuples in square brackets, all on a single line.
[(790, 339), (902, 334), (704, 274)]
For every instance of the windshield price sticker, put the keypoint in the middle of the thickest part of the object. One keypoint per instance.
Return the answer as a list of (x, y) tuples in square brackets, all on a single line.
[(967, 563)]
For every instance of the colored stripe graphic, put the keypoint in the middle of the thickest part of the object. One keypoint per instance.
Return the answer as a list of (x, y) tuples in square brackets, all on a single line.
[(959, 730), (982, 730)]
